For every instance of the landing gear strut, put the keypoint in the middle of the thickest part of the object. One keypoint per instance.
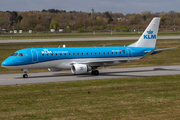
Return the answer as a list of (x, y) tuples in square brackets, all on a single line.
[(25, 75), (95, 72)]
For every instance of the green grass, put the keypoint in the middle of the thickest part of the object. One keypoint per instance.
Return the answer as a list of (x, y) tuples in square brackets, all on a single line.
[(128, 98), (77, 35), (169, 57)]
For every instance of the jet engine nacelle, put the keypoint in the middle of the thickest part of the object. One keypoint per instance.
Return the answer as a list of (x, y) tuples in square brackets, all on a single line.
[(79, 68)]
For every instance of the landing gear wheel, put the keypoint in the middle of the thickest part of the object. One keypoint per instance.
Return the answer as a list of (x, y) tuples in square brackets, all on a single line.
[(25, 73), (95, 72), (92, 72), (25, 76)]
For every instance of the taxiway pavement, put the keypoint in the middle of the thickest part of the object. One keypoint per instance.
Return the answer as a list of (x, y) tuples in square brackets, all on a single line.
[(45, 77), (83, 39)]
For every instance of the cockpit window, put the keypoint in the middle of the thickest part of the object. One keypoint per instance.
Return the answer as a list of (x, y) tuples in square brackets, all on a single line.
[(17, 54), (20, 54), (14, 54)]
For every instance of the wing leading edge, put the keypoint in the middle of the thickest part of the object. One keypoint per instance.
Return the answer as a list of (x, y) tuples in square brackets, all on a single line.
[(106, 62)]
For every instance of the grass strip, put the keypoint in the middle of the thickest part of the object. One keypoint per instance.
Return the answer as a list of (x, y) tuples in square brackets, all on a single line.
[(127, 98)]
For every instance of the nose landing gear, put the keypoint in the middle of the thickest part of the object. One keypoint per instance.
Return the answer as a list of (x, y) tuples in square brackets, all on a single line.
[(25, 75)]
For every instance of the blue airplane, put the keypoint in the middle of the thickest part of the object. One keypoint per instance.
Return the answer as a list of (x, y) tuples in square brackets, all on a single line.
[(81, 60)]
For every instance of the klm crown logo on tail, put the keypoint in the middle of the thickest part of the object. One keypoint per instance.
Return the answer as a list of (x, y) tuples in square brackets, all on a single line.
[(150, 32), (150, 35)]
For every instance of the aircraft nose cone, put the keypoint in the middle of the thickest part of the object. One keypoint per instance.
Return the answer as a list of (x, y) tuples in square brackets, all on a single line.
[(2, 64), (5, 63)]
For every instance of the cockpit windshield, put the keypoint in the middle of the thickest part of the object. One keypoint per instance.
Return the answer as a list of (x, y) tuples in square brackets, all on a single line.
[(20, 54), (17, 54), (14, 54)]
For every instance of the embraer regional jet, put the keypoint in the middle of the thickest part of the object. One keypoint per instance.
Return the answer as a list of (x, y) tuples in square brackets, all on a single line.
[(81, 60)]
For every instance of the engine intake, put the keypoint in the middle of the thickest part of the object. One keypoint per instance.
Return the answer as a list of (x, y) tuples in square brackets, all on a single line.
[(79, 69)]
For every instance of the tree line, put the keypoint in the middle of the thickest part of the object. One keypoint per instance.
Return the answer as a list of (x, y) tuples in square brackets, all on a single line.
[(82, 21)]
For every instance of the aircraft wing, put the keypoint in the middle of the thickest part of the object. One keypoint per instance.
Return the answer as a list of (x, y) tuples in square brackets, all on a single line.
[(154, 51), (105, 62), (148, 54), (159, 49)]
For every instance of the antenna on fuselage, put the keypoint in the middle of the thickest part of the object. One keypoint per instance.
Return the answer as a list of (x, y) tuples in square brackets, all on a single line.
[(64, 46)]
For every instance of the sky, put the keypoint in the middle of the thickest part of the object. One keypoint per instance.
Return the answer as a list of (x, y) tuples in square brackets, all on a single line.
[(115, 6)]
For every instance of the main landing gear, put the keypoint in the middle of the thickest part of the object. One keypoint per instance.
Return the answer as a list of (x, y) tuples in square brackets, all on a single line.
[(25, 75), (95, 72)]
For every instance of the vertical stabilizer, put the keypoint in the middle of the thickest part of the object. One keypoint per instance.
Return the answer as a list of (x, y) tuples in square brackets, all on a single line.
[(148, 38)]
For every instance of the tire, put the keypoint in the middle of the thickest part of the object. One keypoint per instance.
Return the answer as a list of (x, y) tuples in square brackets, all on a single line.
[(95, 72), (92, 72), (25, 76)]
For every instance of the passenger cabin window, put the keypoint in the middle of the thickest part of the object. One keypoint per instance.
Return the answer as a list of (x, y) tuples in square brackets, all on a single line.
[(56, 54), (73, 53), (69, 53)]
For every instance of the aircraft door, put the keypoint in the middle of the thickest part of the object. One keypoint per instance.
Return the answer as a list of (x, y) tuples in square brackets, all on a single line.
[(129, 53), (34, 55)]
